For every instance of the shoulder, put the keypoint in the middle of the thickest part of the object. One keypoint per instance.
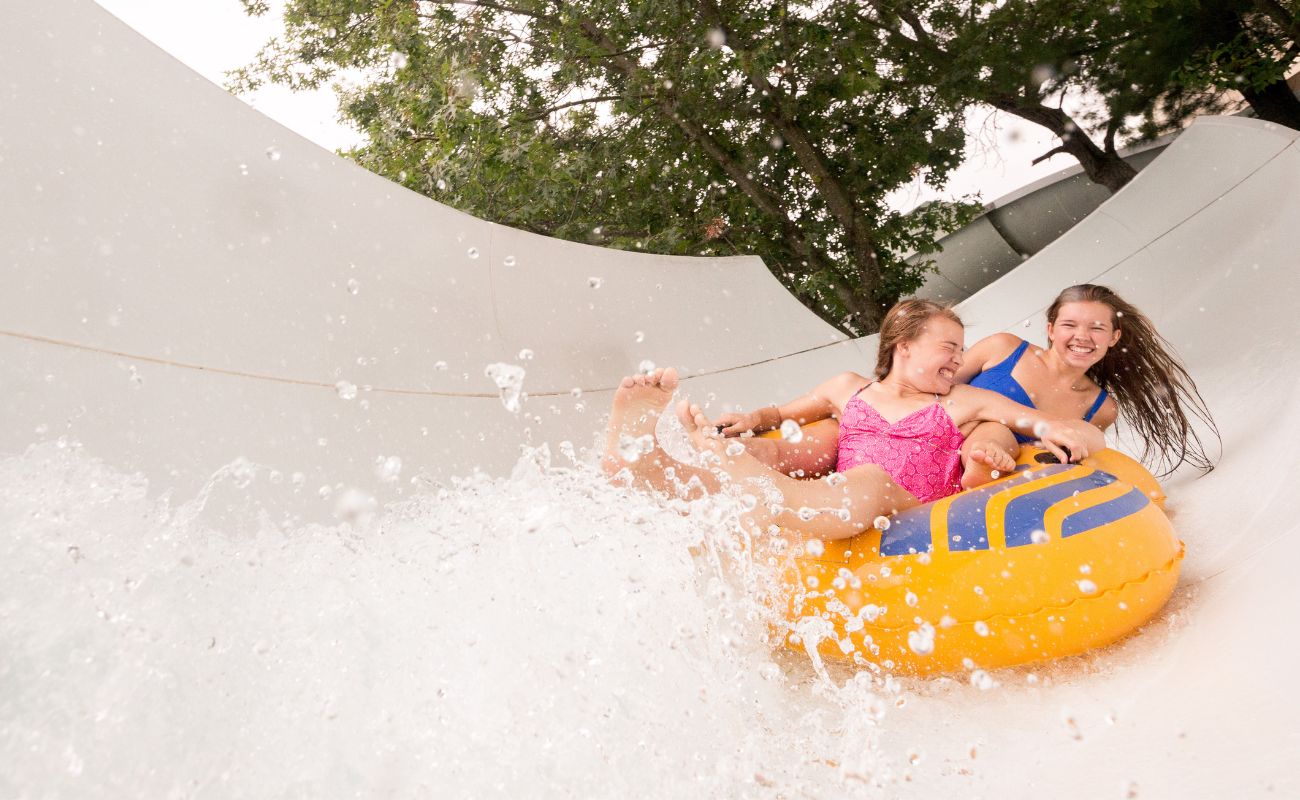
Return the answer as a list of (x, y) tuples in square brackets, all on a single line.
[(995, 347), (840, 388), (1107, 414)]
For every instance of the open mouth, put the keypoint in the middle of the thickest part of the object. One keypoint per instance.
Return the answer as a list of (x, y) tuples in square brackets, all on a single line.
[(947, 373), (1082, 350)]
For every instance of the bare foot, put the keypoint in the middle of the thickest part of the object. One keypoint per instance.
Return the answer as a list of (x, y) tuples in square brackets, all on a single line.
[(704, 434), (986, 461), (638, 402)]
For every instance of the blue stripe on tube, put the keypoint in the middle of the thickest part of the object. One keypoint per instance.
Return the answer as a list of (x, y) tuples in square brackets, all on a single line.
[(1028, 513), (1089, 518)]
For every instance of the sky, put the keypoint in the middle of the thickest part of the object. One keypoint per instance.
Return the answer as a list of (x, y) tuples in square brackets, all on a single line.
[(214, 36)]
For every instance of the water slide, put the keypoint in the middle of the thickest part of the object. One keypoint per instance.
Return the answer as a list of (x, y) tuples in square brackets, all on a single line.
[(222, 349)]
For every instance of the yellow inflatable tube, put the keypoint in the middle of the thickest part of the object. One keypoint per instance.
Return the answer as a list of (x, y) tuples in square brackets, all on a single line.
[(1050, 561)]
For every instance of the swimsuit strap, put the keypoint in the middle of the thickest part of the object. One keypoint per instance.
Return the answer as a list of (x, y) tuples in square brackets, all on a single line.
[(1009, 363), (1012, 360), (1096, 406)]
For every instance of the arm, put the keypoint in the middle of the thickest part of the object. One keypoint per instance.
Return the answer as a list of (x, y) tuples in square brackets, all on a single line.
[(1080, 438), (818, 404), (985, 353)]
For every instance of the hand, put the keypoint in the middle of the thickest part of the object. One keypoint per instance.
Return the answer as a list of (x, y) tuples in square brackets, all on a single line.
[(740, 424), (1065, 443)]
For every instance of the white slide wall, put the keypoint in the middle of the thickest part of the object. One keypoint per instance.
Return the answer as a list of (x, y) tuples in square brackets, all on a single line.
[(177, 273)]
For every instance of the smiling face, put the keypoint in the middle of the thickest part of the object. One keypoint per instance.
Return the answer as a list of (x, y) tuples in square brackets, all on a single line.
[(1083, 332), (930, 362)]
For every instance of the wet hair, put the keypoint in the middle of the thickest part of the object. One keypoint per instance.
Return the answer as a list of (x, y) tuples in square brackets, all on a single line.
[(903, 323), (1156, 396)]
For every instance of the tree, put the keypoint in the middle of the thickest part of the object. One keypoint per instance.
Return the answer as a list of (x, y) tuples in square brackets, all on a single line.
[(1146, 65), (691, 126)]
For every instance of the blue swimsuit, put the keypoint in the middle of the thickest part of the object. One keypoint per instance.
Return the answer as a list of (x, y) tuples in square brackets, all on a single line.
[(998, 379)]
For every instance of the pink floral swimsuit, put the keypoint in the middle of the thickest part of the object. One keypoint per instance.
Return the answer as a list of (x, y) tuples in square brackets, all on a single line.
[(921, 452)]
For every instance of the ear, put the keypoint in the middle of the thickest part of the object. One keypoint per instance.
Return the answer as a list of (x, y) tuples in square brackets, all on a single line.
[(1114, 339)]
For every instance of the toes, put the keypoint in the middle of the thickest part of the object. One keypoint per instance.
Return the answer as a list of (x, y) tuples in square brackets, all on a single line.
[(669, 379)]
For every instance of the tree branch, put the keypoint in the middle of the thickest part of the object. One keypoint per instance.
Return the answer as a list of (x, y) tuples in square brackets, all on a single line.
[(493, 6), (1055, 151), (546, 112)]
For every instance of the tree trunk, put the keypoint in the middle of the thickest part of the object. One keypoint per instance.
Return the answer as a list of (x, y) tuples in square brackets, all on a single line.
[(1102, 166), (1275, 103)]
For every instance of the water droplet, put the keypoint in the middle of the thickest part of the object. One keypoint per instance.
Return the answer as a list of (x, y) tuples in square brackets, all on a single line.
[(510, 261), (911, 599), (639, 337), (1087, 587), (389, 469), (595, 282), (981, 628), (881, 523), (1040, 429), (629, 449), (813, 547), (398, 60), (575, 392), (440, 365), (353, 286), (807, 514), (273, 153), (1085, 569), (776, 142), (74, 553), (717, 38), (472, 252), (921, 640), (735, 448), (525, 355), (645, 367), (346, 389), (243, 169), (354, 506), (994, 474), (790, 431), (1039, 537), (509, 379), (870, 612), (982, 681), (835, 479)]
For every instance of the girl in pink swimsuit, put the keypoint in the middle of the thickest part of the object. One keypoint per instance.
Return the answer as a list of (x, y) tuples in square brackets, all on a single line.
[(899, 443), (921, 452)]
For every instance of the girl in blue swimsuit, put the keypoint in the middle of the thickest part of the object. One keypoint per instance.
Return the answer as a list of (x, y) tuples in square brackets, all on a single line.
[(1104, 359)]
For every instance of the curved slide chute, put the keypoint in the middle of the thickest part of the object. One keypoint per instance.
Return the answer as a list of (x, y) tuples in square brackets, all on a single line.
[(187, 283)]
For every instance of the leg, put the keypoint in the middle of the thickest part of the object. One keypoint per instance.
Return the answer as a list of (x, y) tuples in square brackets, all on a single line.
[(811, 457), (839, 511), (989, 447)]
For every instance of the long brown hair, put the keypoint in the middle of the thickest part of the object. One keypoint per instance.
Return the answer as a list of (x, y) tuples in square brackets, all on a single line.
[(903, 323), (1156, 396)]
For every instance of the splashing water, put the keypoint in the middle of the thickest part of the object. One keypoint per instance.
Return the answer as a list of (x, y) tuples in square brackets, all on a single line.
[(509, 379), (546, 634), (790, 431)]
